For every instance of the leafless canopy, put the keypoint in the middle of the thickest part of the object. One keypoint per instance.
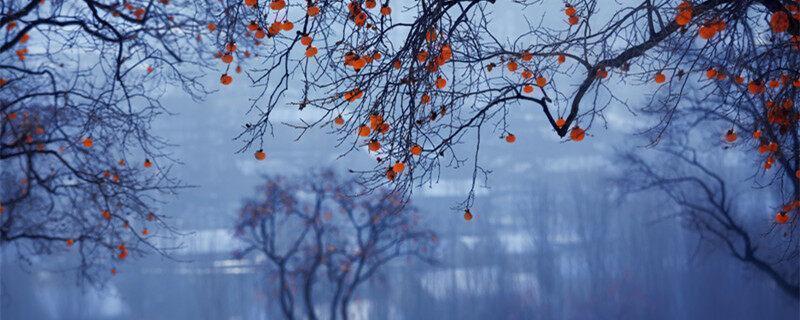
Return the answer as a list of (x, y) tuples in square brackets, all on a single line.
[(320, 243), (708, 202), (80, 83), (429, 73)]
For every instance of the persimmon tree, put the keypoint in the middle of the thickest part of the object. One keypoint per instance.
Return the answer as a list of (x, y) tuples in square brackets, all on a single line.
[(411, 79), (80, 83), (320, 243), (744, 100)]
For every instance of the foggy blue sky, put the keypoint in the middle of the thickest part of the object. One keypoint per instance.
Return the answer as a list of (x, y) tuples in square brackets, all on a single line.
[(550, 213)]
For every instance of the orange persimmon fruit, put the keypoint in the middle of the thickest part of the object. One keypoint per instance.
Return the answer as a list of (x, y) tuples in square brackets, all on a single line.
[(511, 138), (577, 134), (730, 136), (416, 150), (260, 155)]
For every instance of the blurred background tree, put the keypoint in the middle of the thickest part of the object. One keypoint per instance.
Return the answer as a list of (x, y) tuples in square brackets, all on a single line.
[(318, 244)]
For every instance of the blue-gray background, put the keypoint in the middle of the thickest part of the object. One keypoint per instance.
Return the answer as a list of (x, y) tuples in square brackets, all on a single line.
[(552, 238)]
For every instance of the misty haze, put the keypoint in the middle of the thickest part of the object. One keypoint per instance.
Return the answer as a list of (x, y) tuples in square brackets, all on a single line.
[(377, 159)]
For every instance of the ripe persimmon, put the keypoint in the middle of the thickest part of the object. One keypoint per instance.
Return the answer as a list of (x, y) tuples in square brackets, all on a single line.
[(684, 13), (660, 78), (426, 98), (730, 136), (440, 82), (375, 120), (577, 134), (398, 167), (774, 83), (383, 128), (511, 138), (359, 63), (353, 95), (260, 155), (570, 10), (360, 19), (123, 252), (541, 81), (422, 56), (252, 26), (430, 35), (781, 217), (527, 88), (527, 74), (374, 145), (706, 32), (711, 73), (512, 66), (768, 163), (446, 53), (526, 56), (260, 34), (416, 150), (277, 4), (363, 131), (755, 87), (602, 73), (311, 51), (779, 22), (225, 79)]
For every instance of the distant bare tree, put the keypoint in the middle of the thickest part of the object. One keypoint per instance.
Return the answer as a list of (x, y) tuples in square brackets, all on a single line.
[(80, 83), (708, 203), (321, 244)]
